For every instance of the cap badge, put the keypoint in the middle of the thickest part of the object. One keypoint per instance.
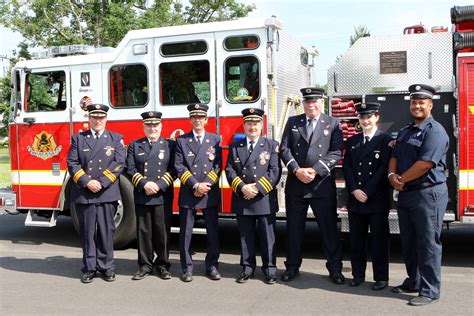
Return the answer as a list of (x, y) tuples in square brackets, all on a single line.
[(251, 110), (417, 88), (363, 105), (150, 113), (97, 106), (308, 90), (196, 106)]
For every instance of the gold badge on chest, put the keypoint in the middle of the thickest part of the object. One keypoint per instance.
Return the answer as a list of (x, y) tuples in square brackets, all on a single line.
[(264, 157)]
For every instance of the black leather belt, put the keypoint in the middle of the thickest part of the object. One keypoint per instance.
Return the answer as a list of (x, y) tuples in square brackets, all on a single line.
[(418, 186)]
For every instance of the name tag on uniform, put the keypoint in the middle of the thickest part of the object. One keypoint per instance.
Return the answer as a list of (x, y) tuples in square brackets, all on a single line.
[(190, 154), (294, 129), (141, 154), (86, 149), (237, 160)]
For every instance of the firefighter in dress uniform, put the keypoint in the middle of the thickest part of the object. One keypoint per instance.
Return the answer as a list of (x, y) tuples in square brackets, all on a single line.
[(365, 169), (417, 170), (253, 169), (198, 162), (95, 161), (150, 166), (310, 148)]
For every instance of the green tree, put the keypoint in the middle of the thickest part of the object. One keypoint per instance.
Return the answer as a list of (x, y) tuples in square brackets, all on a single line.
[(359, 31), (5, 87), (105, 22)]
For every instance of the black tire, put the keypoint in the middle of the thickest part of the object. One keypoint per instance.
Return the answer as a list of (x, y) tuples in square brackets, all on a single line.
[(125, 221)]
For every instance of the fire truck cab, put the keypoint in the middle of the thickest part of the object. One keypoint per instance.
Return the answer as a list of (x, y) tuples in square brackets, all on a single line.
[(227, 65)]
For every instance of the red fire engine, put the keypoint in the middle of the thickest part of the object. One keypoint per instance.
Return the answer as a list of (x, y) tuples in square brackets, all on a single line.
[(380, 69), (227, 65)]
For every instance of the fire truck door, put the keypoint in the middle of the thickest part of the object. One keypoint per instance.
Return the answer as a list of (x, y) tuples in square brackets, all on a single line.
[(43, 137), (240, 64), (185, 69)]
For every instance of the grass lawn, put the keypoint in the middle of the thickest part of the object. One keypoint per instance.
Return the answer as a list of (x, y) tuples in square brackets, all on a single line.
[(5, 181)]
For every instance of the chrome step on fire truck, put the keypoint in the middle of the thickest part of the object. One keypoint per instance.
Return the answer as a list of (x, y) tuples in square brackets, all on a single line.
[(227, 65), (380, 69)]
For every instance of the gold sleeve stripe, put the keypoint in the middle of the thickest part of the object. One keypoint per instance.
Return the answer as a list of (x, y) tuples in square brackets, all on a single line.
[(110, 175), (185, 177), (213, 176), (266, 184), (167, 178), (267, 181), (136, 178), (235, 183), (77, 175)]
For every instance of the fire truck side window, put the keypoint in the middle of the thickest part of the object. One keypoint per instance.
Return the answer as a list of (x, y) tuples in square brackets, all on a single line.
[(241, 42), (242, 83), (185, 82), (128, 85), (46, 92)]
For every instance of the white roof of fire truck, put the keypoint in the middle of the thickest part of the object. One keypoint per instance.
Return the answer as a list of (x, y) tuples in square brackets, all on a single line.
[(111, 53)]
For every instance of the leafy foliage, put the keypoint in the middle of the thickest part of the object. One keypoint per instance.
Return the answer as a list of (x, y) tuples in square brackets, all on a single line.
[(105, 23)]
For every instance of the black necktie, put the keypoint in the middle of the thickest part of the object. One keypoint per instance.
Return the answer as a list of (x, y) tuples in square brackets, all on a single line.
[(251, 146), (152, 144), (198, 137), (309, 128), (367, 139), (96, 135)]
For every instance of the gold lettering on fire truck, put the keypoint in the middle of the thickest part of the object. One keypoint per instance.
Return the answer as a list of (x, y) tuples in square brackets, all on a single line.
[(44, 146)]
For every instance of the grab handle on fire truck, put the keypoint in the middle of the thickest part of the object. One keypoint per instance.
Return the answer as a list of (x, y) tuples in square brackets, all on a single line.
[(455, 165), (455, 127), (29, 120)]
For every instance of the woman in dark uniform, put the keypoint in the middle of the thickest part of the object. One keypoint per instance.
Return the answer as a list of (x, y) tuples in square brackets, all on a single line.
[(365, 171)]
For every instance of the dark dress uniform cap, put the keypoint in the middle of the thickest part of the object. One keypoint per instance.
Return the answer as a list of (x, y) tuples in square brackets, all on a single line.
[(97, 110), (421, 91), (312, 93), (151, 117), (253, 114), (367, 108), (198, 109)]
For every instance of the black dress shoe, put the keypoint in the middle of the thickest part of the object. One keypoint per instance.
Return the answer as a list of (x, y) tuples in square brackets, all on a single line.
[(108, 276), (337, 278), (244, 277), (379, 285), (356, 282), (290, 275), (187, 277), (421, 301), (213, 274), (88, 277), (270, 279), (403, 289), (163, 273), (140, 275)]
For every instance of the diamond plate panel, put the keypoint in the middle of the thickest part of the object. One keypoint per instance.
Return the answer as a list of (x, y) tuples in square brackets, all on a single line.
[(429, 61)]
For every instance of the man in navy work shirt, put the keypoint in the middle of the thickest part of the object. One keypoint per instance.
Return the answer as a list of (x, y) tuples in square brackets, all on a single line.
[(95, 161), (417, 170), (253, 170), (198, 162), (311, 146)]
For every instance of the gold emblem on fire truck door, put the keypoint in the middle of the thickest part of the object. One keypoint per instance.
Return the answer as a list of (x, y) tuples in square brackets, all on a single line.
[(44, 146)]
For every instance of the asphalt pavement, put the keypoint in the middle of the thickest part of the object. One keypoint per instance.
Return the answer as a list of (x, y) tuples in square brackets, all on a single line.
[(40, 271)]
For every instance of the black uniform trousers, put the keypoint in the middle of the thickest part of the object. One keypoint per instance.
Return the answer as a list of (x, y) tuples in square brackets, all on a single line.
[(420, 215), (266, 234), (152, 235), (359, 224), (97, 227), (186, 224), (326, 216)]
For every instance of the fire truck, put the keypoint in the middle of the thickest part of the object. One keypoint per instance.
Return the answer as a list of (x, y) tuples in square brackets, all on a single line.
[(380, 69), (227, 65)]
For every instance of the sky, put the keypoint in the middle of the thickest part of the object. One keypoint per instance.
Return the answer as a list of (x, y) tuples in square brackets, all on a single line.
[(328, 25)]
